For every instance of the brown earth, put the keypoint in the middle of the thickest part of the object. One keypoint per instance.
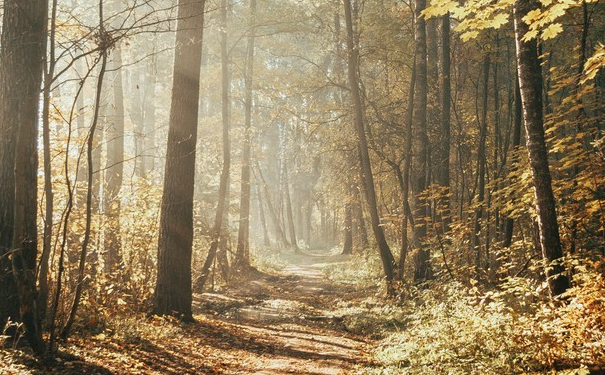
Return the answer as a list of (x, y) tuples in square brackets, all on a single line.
[(267, 323)]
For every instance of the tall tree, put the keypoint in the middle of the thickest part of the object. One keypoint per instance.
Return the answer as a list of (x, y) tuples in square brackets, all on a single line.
[(388, 261), (23, 46), (530, 84), (243, 251), (224, 180), (443, 163), (173, 287), (49, 76), (420, 147), (481, 164)]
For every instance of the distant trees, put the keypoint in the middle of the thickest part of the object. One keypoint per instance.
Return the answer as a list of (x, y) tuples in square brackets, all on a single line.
[(173, 287), (436, 167), (469, 122)]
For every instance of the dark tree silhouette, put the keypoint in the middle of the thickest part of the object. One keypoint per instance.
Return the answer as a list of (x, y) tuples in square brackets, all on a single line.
[(21, 67)]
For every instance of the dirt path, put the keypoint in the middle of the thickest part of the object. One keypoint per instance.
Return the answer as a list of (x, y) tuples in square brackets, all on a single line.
[(274, 324), (291, 313)]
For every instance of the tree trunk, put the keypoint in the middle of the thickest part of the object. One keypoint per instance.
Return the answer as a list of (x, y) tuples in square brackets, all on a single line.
[(388, 261), (291, 226), (114, 172), (405, 176), (347, 247), (49, 201), (481, 156), (224, 180), (243, 251), (361, 230), (443, 162), (516, 141), (261, 209), (420, 148), (173, 286), (21, 67), (530, 84)]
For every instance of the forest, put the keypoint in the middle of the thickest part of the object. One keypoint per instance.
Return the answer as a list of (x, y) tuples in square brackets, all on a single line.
[(302, 187)]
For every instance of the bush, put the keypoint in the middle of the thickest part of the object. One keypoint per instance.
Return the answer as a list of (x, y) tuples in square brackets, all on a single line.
[(516, 328)]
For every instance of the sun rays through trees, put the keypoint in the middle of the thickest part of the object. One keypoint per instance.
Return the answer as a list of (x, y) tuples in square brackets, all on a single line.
[(273, 170)]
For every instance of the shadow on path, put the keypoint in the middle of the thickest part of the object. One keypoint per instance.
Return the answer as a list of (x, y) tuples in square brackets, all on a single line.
[(285, 320)]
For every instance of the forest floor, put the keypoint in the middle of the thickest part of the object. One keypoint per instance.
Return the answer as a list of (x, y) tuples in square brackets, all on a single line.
[(281, 322)]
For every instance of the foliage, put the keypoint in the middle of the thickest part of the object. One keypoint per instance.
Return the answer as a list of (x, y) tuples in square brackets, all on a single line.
[(594, 64), (454, 329), (366, 273)]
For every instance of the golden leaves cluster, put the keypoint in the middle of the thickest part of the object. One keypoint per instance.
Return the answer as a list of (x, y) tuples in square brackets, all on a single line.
[(478, 15)]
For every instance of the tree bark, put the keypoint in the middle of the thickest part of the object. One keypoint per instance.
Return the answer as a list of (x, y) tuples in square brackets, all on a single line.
[(443, 162), (530, 84), (173, 287), (49, 201), (361, 229), (23, 46), (481, 161), (388, 261), (420, 148)]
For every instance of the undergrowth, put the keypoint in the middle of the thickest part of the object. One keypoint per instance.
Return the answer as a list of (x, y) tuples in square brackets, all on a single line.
[(362, 269), (514, 327)]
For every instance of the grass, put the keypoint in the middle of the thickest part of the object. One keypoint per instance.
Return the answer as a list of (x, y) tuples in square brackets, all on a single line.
[(446, 327)]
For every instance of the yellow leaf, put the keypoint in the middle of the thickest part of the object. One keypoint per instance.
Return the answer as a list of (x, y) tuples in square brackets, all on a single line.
[(552, 31), (469, 35), (594, 64), (532, 16), (531, 34), (499, 20), (558, 10), (440, 8)]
